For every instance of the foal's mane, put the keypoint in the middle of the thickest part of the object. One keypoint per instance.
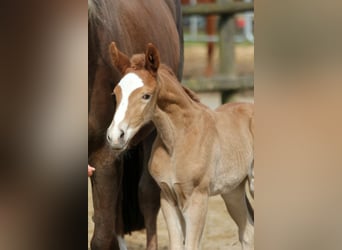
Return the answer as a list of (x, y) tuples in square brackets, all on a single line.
[(138, 62)]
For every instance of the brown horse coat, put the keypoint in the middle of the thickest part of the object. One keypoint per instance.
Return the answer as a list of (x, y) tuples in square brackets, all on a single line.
[(197, 153), (119, 202)]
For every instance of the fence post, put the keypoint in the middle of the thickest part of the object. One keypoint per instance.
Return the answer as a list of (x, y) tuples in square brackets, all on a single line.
[(193, 23), (248, 29), (226, 43)]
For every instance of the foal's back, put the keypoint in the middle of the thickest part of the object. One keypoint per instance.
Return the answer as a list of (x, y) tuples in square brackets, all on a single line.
[(235, 124), (238, 114)]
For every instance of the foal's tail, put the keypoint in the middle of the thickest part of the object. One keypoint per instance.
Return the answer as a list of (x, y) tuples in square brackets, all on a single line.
[(249, 191), (249, 187)]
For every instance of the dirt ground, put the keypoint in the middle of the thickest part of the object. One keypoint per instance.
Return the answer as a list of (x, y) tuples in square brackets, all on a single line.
[(220, 230)]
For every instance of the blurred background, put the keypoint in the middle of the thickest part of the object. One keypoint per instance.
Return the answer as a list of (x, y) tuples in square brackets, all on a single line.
[(219, 67), (43, 143), (219, 50)]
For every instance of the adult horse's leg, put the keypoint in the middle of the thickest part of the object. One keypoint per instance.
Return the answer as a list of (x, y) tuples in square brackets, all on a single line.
[(106, 183), (149, 200), (149, 197), (236, 205)]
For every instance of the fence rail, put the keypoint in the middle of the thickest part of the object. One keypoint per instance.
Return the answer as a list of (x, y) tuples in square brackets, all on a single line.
[(217, 8), (219, 83)]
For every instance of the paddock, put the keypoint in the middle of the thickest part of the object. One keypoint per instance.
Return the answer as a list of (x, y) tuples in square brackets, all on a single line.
[(220, 231)]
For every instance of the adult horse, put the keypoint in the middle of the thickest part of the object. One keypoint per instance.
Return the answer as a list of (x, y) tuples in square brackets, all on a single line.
[(115, 182), (198, 152)]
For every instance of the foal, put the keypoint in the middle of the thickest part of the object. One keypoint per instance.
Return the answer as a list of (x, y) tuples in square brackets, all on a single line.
[(197, 153)]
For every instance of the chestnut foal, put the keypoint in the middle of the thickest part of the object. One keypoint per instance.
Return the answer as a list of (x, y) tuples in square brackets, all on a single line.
[(197, 153)]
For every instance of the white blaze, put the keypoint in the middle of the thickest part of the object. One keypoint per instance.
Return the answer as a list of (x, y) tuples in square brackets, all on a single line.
[(128, 84)]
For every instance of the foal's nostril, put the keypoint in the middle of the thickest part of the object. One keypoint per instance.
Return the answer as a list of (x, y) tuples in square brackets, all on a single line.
[(109, 138), (122, 134)]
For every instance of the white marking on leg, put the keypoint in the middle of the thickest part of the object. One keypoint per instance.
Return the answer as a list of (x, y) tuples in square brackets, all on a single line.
[(122, 243)]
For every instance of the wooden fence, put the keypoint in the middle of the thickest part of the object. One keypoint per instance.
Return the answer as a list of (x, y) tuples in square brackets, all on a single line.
[(223, 8), (226, 79)]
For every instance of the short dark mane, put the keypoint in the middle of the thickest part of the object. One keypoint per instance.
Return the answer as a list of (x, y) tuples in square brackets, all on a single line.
[(137, 61), (191, 94)]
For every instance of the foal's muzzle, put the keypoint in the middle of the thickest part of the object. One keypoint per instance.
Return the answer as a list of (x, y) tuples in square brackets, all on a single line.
[(116, 139)]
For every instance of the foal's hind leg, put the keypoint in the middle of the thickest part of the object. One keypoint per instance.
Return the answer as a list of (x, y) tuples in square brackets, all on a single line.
[(237, 207)]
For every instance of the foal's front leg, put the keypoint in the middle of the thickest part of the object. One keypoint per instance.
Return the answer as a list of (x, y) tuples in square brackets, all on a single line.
[(195, 212), (173, 220)]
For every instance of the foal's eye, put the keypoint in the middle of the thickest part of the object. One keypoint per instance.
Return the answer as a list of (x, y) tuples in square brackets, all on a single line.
[(146, 96)]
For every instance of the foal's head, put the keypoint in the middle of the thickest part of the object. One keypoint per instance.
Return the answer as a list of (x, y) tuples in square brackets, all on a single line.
[(135, 94)]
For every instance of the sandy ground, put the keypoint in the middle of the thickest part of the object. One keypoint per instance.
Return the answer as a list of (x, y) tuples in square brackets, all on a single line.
[(195, 60), (220, 230)]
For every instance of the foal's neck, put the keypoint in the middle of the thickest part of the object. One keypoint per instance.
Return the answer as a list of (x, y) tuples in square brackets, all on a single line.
[(175, 109)]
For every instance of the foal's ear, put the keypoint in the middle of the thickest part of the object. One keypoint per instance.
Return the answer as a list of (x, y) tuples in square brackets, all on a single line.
[(152, 58), (119, 59)]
